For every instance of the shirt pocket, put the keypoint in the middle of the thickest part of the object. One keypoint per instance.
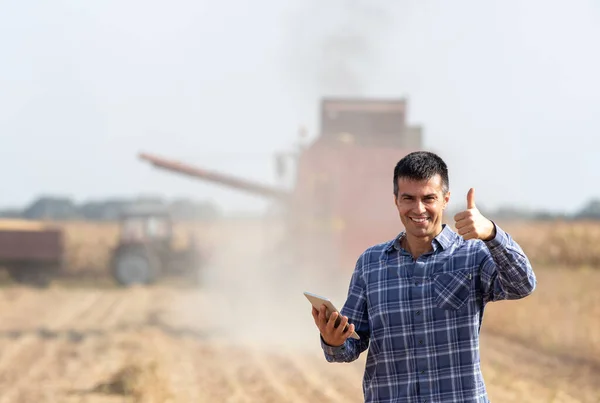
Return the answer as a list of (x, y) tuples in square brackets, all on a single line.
[(452, 289)]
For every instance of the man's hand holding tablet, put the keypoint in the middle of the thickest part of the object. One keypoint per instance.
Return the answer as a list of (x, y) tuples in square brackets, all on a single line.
[(333, 326)]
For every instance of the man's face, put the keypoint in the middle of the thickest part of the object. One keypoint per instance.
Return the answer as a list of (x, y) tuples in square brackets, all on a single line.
[(420, 205)]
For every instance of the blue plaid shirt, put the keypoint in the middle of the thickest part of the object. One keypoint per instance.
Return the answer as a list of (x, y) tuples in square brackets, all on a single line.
[(421, 319)]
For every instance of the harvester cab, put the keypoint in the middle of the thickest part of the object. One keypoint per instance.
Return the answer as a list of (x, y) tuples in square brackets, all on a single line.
[(147, 249)]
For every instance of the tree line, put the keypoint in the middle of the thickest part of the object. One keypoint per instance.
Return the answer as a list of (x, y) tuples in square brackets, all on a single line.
[(64, 208), (589, 211)]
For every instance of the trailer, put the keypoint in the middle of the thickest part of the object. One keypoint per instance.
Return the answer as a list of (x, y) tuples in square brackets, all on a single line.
[(32, 252)]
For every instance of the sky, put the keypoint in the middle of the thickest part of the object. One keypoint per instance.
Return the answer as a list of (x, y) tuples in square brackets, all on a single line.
[(505, 90)]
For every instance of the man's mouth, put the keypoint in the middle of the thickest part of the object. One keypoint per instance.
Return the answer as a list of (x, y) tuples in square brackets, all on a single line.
[(419, 220)]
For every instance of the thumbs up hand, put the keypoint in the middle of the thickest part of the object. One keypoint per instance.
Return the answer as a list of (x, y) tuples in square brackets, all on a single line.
[(470, 224)]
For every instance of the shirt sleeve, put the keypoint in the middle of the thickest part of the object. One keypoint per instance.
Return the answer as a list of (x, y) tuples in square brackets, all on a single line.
[(506, 273), (355, 309)]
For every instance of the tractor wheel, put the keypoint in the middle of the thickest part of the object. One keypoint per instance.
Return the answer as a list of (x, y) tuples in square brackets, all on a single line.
[(135, 265)]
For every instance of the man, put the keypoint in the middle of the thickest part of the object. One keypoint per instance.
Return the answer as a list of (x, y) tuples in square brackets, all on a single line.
[(417, 301)]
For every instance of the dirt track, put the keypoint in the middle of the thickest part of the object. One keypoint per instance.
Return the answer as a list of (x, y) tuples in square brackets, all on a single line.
[(69, 346)]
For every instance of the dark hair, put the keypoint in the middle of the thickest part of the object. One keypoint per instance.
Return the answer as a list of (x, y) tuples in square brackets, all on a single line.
[(421, 165)]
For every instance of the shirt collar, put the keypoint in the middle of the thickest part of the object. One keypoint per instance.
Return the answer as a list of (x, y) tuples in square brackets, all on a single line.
[(444, 239), (395, 243)]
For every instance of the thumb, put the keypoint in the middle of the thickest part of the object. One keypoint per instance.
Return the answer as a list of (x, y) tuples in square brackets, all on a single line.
[(471, 199)]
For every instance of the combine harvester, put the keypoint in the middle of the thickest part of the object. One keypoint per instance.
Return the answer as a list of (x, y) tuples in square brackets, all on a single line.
[(342, 201)]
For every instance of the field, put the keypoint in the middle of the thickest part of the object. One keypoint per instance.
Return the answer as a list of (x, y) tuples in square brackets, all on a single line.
[(171, 343)]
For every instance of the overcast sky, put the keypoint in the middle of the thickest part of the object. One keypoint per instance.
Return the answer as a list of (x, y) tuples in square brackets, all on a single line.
[(505, 90)]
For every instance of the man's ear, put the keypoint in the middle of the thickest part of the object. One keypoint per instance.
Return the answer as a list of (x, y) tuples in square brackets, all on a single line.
[(446, 199)]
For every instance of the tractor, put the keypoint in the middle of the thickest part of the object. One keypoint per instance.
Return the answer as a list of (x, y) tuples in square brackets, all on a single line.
[(147, 250)]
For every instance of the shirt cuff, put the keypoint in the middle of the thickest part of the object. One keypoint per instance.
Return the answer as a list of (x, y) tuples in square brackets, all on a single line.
[(499, 241), (331, 350)]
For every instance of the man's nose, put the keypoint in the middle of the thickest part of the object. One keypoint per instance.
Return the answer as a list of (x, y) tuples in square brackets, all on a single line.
[(420, 207)]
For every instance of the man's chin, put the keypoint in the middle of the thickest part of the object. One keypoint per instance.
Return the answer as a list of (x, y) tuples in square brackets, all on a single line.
[(419, 232)]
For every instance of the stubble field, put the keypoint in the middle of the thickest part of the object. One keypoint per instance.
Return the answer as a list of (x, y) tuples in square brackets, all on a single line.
[(92, 342)]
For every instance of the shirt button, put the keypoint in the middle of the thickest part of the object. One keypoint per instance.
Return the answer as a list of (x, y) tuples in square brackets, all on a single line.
[(417, 283), (418, 313), (422, 372), (420, 341)]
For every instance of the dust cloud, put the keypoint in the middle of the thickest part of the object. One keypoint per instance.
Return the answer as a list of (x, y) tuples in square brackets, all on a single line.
[(333, 47), (252, 291), (251, 294)]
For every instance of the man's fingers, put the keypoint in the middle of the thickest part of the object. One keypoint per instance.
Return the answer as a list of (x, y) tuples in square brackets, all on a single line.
[(471, 199), (462, 215), (469, 235), (342, 325), (462, 223), (315, 314), (322, 317), (331, 322), (328, 327), (348, 331), (466, 229)]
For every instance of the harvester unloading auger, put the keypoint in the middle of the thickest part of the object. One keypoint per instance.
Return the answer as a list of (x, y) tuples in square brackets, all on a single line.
[(342, 201), (216, 177)]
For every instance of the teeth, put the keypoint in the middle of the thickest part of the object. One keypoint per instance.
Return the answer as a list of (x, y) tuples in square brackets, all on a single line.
[(419, 219)]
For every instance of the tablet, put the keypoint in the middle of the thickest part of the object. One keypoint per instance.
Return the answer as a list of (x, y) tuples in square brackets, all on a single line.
[(317, 301)]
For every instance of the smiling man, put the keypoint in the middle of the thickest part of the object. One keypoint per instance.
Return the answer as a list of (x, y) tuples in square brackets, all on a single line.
[(417, 301)]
